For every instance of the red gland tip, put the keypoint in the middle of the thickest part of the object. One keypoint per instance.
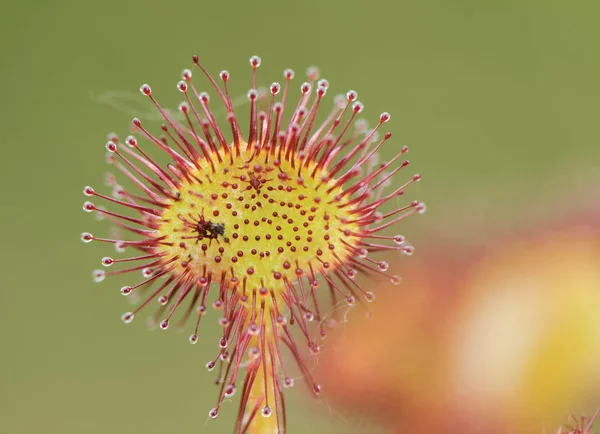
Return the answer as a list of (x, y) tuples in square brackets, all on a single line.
[(86, 237), (88, 191), (288, 74), (88, 207), (131, 141), (136, 123), (351, 95), (229, 391), (146, 89), (385, 116), (253, 329), (399, 239), (120, 248), (182, 86), (312, 73), (408, 250), (127, 317), (357, 107), (314, 348), (305, 88), (183, 107), (111, 147), (99, 275), (186, 74), (275, 88), (266, 411), (255, 61)]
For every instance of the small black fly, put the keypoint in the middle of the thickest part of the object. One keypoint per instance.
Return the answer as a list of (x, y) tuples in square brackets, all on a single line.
[(209, 229)]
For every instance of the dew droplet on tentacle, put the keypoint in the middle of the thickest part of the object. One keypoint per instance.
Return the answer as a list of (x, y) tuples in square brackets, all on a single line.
[(127, 317), (99, 275), (266, 411)]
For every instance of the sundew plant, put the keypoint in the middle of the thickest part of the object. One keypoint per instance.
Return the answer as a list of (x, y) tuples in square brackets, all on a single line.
[(260, 225)]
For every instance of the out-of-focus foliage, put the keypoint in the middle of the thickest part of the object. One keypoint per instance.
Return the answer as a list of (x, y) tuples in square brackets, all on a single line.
[(500, 338)]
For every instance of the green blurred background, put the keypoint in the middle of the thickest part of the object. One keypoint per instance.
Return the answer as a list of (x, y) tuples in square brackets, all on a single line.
[(498, 100)]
